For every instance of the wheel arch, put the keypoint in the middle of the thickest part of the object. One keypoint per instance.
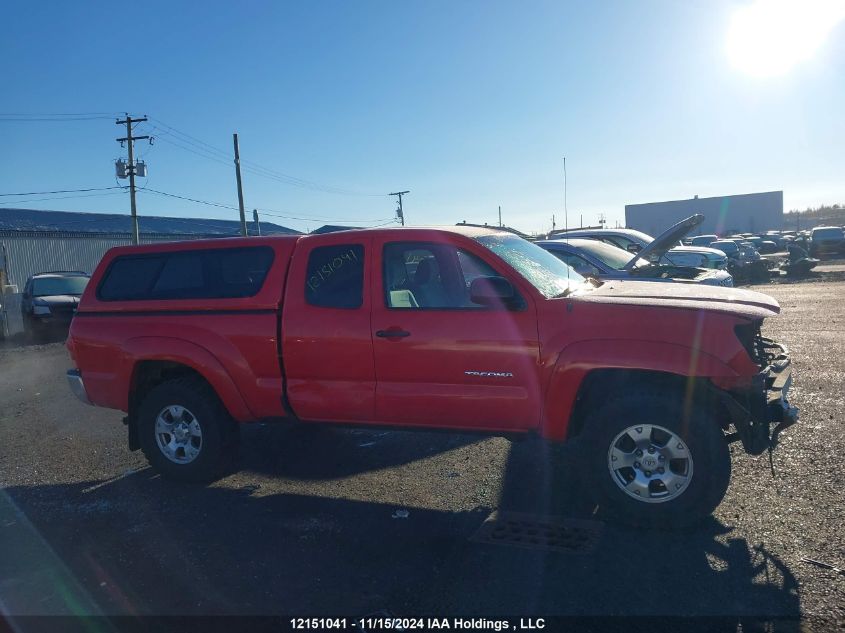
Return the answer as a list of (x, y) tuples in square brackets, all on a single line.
[(599, 385), (181, 359), (589, 372)]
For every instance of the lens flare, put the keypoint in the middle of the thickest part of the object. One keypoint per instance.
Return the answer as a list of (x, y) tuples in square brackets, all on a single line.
[(769, 38)]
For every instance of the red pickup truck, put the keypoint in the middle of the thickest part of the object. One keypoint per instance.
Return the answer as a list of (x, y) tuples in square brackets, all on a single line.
[(461, 328)]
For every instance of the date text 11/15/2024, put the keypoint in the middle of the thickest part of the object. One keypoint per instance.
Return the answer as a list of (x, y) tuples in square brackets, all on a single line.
[(387, 623)]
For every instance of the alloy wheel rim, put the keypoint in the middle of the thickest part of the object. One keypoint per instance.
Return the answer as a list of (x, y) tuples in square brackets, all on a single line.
[(650, 463), (178, 434)]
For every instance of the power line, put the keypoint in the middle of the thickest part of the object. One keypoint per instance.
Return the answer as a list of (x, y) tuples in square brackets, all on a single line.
[(170, 141), (53, 120), (316, 219), (247, 166), (268, 212), (188, 136), (49, 114), (173, 195), (215, 153), (89, 195), (391, 221), (44, 193)]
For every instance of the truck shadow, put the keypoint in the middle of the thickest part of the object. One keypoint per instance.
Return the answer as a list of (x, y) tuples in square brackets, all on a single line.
[(327, 452), (139, 544)]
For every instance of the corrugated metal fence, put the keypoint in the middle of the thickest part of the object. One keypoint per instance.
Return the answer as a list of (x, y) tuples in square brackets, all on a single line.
[(30, 252)]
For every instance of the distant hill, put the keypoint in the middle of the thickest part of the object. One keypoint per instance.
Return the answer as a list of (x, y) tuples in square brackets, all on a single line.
[(82, 222)]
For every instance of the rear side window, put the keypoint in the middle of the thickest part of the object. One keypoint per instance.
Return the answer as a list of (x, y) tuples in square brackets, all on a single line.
[(221, 273), (335, 276)]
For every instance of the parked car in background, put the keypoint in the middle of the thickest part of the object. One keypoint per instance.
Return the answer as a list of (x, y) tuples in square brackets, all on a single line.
[(50, 300), (703, 240), (780, 240), (634, 241), (744, 262), (754, 241), (827, 241), (767, 246), (599, 260)]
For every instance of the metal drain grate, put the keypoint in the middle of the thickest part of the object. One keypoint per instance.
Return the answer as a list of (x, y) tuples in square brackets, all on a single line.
[(537, 532)]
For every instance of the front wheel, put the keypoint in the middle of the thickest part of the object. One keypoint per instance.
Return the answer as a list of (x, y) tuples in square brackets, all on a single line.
[(185, 432), (652, 462)]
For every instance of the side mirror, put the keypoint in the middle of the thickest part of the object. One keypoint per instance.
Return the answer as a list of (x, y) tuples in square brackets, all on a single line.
[(493, 291)]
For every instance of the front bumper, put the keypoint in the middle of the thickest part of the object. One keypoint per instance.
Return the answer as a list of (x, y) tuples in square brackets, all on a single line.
[(754, 412), (74, 379)]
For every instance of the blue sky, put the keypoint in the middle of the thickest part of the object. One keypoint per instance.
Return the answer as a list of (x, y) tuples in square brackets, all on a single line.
[(470, 105)]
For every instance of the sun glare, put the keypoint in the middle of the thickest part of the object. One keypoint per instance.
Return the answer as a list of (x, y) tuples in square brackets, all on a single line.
[(770, 37)]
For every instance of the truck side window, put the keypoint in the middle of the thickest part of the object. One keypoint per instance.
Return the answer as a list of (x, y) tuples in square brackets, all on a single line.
[(221, 273), (335, 276), (430, 276)]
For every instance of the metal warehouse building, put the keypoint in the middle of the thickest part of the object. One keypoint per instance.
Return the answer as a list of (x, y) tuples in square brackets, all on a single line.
[(744, 213)]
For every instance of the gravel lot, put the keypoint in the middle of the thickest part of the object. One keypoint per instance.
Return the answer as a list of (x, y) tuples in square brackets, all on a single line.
[(309, 525)]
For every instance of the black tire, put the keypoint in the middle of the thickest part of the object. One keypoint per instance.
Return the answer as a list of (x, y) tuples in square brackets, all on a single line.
[(705, 443), (219, 431)]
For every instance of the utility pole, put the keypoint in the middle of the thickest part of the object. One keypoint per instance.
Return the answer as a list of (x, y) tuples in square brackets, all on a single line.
[(257, 223), (399, 212), (130, 167), (500, 215), (240, 188), (553, 222)]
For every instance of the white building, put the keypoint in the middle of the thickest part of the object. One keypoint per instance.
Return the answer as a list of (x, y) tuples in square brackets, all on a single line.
[(744, 213)]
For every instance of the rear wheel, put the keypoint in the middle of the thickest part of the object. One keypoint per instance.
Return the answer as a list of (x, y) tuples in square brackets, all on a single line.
[(185, 432), (650, 462)]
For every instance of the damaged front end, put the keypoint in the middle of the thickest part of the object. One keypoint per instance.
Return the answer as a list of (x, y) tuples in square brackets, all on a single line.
[(755, 410)]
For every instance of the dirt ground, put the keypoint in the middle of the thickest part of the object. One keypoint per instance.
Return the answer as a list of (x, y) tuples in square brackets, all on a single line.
[(323, 521)]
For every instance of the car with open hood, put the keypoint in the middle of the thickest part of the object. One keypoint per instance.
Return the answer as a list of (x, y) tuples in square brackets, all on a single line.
[(600, 260), (634, 241)]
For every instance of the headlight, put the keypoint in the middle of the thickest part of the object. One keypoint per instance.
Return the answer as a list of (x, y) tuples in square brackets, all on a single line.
[(40, 310), (728, 281)]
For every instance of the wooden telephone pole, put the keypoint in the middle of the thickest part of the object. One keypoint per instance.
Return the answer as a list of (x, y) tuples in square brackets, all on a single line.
[(240, 187), (130, 167), (399, 213)]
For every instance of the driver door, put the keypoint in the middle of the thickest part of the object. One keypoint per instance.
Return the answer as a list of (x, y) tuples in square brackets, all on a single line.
[(442, 360)]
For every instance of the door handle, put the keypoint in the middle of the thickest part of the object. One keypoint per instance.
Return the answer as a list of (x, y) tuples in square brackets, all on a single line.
[(392, 333)]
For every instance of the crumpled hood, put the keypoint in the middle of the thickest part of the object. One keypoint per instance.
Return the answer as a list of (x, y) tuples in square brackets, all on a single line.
[(744, 303)]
